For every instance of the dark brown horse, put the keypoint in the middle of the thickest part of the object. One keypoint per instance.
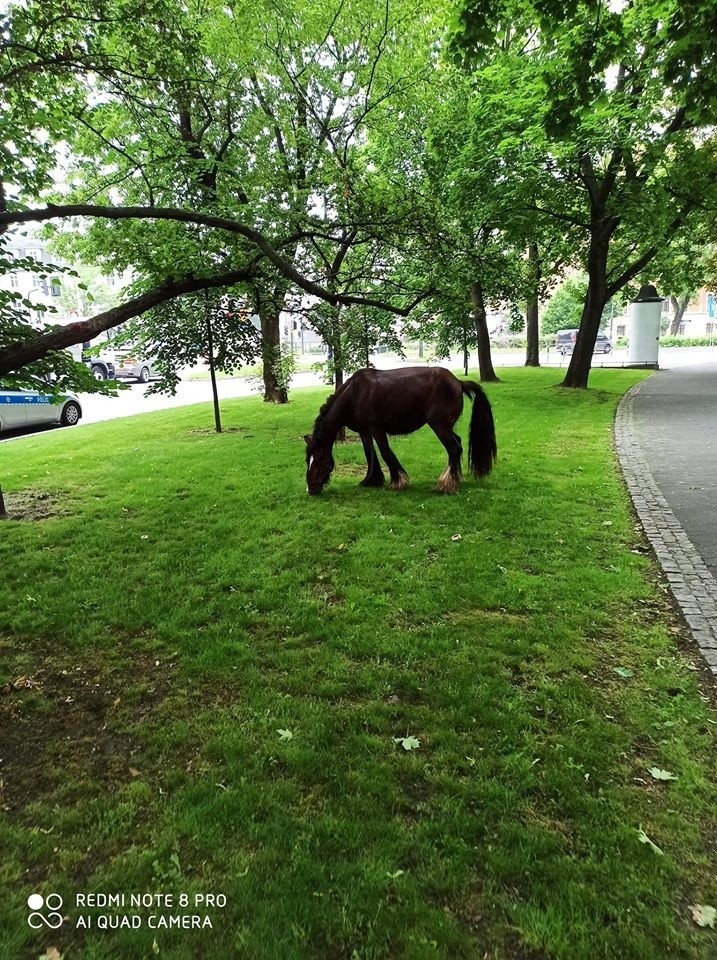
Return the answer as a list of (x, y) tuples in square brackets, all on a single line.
[(375, 403)]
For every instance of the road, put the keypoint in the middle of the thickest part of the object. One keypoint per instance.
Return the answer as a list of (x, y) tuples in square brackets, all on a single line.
[(135, 400), (674, 418)]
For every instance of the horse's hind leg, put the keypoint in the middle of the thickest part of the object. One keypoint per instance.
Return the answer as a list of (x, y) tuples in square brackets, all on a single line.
[(399, 477), (451, 477), (374, 477)]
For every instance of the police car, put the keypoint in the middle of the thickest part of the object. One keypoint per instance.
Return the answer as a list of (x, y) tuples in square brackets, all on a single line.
[(29, 408)]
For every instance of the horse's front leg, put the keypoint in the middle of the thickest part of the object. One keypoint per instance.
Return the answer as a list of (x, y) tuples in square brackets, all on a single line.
[(451, 477), (399, 477), (374, 476)]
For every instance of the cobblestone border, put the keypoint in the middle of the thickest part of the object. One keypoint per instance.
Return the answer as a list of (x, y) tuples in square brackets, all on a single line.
[(692, 585)]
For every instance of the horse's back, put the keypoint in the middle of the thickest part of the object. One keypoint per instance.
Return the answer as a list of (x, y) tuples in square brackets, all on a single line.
[(402, 400)]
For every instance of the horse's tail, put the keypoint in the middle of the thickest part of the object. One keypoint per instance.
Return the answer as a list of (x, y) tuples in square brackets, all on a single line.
[(482, 448)]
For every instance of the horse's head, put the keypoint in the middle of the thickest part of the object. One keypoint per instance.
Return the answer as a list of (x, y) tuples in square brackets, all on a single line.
[(319, 464)]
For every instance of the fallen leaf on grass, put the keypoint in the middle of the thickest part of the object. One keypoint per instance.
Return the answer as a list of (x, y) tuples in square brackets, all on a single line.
[(643, 838), (456, 537), (52, 953), (285, 735), (623, 672), (408, 743), (658, 774), (703, 914)]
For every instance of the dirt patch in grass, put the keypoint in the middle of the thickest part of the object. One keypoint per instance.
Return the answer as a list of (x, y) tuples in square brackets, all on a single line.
[(210, 431), (489, 614), (34, 504), (72, 723), (61, 727), (350, 470)]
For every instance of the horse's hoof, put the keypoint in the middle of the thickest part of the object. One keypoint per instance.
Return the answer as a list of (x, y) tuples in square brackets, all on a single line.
[(447, 482), (400, 483), (372, 482)]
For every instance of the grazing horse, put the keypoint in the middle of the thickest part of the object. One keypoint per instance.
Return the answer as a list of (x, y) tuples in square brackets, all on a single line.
[(375, 403)]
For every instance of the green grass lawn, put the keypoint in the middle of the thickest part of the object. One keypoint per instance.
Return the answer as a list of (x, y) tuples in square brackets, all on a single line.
[(183, 601)]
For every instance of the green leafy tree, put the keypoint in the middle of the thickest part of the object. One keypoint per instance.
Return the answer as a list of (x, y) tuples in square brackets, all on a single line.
[(617, 106), (486, 176), (683, 268), (54, 371), (565, 307), (216, 328), (261, 113)]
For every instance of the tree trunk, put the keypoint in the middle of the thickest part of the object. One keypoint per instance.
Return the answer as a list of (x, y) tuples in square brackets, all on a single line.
[(3, 511), (213, 374), (485, 364), (679, 306), (595, 299), (338, 366), (532, 333), (338, 362), (274, 392)]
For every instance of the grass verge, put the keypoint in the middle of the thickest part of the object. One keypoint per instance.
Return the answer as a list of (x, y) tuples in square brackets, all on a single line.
[(216, 669)]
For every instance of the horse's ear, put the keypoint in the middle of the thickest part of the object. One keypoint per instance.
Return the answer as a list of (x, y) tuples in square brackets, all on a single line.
[(307, 439)]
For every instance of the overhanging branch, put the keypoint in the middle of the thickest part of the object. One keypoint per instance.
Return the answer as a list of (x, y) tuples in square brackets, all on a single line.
[(283, 265), (19, 354)]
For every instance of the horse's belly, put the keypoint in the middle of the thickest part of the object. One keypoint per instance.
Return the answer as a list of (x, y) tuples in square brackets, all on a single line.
[(392, 411), (403, 424)]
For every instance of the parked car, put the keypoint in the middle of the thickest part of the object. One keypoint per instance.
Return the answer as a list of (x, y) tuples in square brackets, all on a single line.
[(102, 367), (102, 364), (565, 342), (130, 366), (28, 408)]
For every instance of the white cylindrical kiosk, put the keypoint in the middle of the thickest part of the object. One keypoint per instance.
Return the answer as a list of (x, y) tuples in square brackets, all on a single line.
[(643, 342)]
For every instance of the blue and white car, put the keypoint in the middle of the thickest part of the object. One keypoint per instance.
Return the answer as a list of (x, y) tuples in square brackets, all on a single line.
[(30, 408)]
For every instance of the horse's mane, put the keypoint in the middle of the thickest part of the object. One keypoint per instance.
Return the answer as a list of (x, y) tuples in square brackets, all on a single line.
[(321, 431)]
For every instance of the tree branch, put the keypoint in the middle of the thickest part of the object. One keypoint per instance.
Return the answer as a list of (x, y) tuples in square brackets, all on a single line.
[(18, 355), (632, 271)]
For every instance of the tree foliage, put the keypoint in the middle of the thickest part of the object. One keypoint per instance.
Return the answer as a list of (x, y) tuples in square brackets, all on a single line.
[(615, 108), (226, 145), (251, 114), (565, 307)]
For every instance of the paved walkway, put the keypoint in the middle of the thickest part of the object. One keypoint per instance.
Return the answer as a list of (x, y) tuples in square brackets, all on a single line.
[(666, 439)]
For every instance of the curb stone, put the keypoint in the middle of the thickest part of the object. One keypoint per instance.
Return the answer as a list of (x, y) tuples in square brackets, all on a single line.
[(691, 583)]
